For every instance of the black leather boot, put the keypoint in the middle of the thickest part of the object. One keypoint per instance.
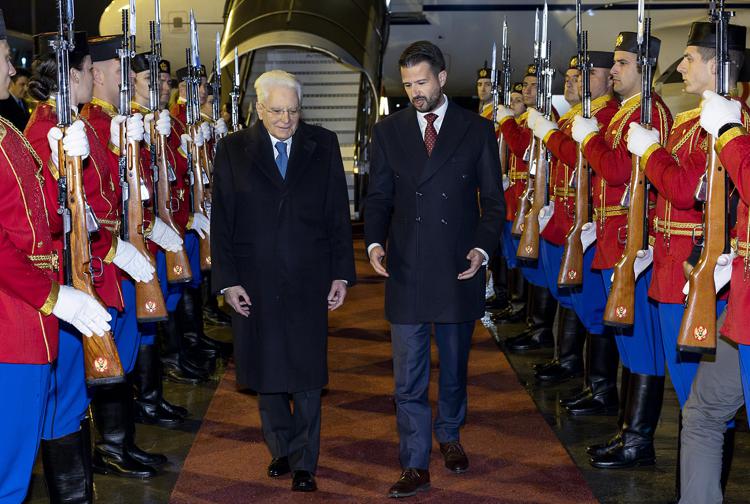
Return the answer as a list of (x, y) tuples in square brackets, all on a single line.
[(570, 341), (539, 332), (501, 299), (518, 296), (602, 397), (67, 467), (636, 446), (212, 314), (192, 326), (180, 363), (116, 453), (150, 405), (601, 448)]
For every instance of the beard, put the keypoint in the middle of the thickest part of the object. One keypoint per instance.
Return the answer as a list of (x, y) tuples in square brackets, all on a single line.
[(427, 103)]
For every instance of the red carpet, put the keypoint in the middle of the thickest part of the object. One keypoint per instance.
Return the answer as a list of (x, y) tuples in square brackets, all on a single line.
[(514, 455)]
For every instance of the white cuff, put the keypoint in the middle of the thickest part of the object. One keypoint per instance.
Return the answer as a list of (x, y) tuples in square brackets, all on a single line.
[(486, 257), (372, 246)]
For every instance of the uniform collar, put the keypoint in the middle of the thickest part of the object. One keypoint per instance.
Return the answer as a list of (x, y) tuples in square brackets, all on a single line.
[(107, 107)]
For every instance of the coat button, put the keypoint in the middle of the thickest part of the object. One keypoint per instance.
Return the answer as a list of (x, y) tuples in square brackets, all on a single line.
[(445, 196), (444, 221), (418, 219), (419, 194)]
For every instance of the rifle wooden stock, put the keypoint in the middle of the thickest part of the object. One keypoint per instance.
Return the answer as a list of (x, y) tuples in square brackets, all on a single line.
[(178, 264), (571, 267), (524, 199), (502, 149), (528, 246), (199, 200), (149, 300), (620, 308), (100, 359), (698, 327)]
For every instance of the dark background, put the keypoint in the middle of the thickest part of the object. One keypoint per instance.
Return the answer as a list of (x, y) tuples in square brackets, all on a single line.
[(19, 15)]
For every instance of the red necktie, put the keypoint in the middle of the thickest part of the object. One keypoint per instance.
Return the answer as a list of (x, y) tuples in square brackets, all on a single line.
[(430, 133)]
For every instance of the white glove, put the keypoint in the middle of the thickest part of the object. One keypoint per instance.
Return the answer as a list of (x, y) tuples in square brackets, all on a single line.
[(221, 127), (545, 214), (533, 116), (207, 130), (134, 125), (75, 142), (200, 224), (114, 130), (81, 311), (641, 139), (132, 262), (722, 272), (506, 182), (503, 111), (588, 235), (164, 236), (200, 138), (716, 111), (583, 127), (543, 126), (163, 125), (643, 259), (185, 143)]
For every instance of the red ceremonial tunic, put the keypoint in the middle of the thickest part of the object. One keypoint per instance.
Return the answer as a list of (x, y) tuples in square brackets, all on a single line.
[(101, 194), (28, 289), (565, 151), (608, 155), (179, 117), (734, 152)]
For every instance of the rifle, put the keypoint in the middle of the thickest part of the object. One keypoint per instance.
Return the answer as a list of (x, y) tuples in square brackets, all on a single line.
[(216, 88), (178, 264), (698, 327), (528, 247), (524, 199), (620, 308), (100, 359), (196, 157), (149, 300), (502, 95), (571, 267), (235, 94)]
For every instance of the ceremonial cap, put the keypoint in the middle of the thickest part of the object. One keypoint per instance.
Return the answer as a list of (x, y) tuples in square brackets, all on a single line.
[(3, 33), (601, 59), (139, 63), (165, 67), (183, 72), (703, 34), (573, 62), (484, 72), (105, 48), (42, 44), (517, 87), (531, 70), (628, 42)]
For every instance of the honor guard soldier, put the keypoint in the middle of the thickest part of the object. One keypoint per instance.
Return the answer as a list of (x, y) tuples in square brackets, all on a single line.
[(30, 295), (484, 91), (608, 156), (556, 221), (599, 395), (675, 170), (721, 386), (543, 306)]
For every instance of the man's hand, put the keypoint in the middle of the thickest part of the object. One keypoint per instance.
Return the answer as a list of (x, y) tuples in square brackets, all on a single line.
[(238, 299), (337, 294), (377, 254), (476, 259)]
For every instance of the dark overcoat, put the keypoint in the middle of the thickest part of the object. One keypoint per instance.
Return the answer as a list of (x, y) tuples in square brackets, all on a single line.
[(284, 241), (430, 212)]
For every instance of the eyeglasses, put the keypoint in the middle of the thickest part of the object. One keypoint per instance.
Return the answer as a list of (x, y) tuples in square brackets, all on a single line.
[(276, 112)]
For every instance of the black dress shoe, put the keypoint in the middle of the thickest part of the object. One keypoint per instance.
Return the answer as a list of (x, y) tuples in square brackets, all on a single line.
[(531, 340), (599, 449), (602, 402), (508, 315), (278, 467), (120, 464), (144, 457), (303, 481), (538, 366), (411, 481), (581, 394), (149, 413), (174, 409), (455, 457), (560, 372), (628, 452)]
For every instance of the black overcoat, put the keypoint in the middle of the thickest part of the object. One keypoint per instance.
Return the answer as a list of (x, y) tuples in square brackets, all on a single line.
[(430, 212), (284, 241)]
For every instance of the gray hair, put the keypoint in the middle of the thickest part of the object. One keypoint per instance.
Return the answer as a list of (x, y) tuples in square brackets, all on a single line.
[(274, 78)]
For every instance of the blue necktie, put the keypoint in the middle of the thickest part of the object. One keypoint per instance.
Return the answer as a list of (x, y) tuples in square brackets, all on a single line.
[(281, 159)]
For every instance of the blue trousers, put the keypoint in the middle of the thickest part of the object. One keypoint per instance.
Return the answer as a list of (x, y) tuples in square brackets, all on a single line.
[(745, 371), (552, 258), (172, 295), (192, 247), (23, 392), (411, 373), (69, 397), (640, 347), (533, 271), (590, 299), (506, 247)]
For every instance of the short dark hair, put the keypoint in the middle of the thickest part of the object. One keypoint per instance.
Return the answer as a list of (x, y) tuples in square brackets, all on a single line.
[(421, 51), (737, 59), (21, 72)]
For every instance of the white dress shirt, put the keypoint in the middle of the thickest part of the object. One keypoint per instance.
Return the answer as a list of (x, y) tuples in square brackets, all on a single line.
[(287, 142)]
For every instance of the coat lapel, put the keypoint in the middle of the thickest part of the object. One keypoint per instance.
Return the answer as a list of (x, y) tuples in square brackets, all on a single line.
[(412, 142), (302, 148), (452, 132), (260, 150)]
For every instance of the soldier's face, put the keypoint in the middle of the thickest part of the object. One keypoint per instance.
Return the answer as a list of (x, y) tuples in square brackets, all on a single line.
[(141, 83), (529, 90), (484, 90), (516, 104), (82, 82), (6, 69), (626, 80), (164, 89), (203, 91), (600, 82), (697, 74), (20, 87), (280, 112), (572, 95), (422, 86)]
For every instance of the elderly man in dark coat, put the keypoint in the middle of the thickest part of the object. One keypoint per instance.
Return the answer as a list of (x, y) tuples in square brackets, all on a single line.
[(283, 257), (436, 202)]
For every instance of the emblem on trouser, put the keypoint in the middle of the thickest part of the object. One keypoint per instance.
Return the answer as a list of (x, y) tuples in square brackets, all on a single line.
[(208, 259), (101, 364), (177, 269), (529, 249), (700, 333), (150, 306), (572, 274), (621, 311)]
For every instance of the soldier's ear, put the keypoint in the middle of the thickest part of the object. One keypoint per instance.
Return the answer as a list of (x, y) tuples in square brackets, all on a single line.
[(712, 66), (442, 78)]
